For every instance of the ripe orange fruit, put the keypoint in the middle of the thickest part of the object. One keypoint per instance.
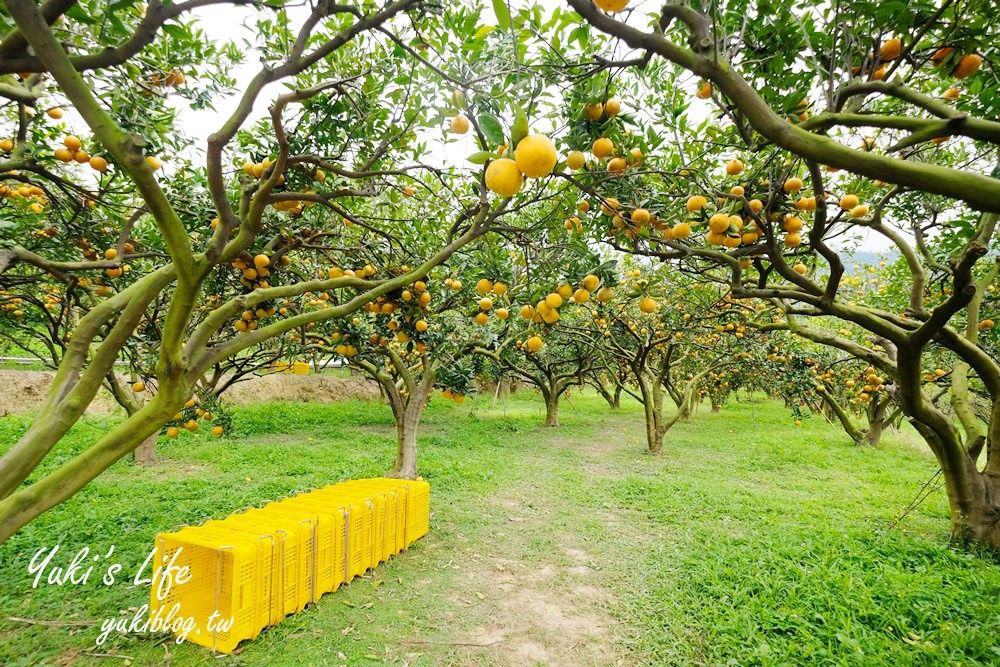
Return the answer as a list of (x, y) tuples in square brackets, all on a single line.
[(609, 206), (98, 163), (612, 108), (590, 282), (63, 154), (847, 202), (421, 325), (54, 112), (951, 93), (481, 318), (575, 160), (459, 124), (535, 343), (260, 261), (535, 156), (81, 156), (681, 230), (553, 300), (581, 296), (756, 205), (967, 66), (800, 268), (72, 143), (527, 312), (583, 206), (153, 162), (139, 387), (565, 291), (593, 111), (942, 54), (879, 74), (110, 253), (502, 313), (986, 324), (641, 216), (175, 77), (704, 91), (484, 286), (503, 177), (734, 167), (647, 305), (499, 289), (602, 148), (793, 240), (407, 191), (696, 203), (891, 48), (611, 5), (605, 294), (793, 185), (859, 211), (719, 223), (486, 304), (617, 165), (173, 432), (737, 191), (218, 430)]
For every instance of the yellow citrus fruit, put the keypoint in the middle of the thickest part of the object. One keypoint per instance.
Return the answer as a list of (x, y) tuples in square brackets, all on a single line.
[(605, 294), (218, 430), (153, 162), (98, 163), (704, 91), (459, 124), (799, 268), (891, 48), (734, 167), (859, 211), (590, 282), (581, 296), (696, 203), (612, 108), (481, 318), (967, 66), (793, 185), (575, 160), (503, 177), (641, 216), (54, 112), (602, 148), (553, 300), (484, 286), (647, 305), (72, 143), (63, 154), (681, 230), (535, 343), (847, 202), (611, 5), (593, 111), (535, 156), (499, 289), (139, 387), (502, 313), (527, 312), (485, 304), (617, 165)]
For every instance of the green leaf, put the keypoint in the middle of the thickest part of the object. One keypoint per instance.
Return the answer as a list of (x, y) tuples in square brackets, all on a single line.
[(490, 126), (503, 14), (483, 31), (480, 157), (520, 129)]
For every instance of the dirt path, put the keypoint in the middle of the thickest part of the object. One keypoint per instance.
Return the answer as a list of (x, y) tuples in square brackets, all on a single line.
[(543, 583)]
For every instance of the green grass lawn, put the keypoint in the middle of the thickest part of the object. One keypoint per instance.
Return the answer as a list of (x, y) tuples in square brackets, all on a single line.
[(748, 542)]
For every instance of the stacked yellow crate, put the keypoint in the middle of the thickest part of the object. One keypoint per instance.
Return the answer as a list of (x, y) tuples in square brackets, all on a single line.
[(253, 568)]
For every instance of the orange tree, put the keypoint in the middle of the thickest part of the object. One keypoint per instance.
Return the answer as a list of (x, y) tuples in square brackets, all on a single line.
[(333, 180), (827, 125)]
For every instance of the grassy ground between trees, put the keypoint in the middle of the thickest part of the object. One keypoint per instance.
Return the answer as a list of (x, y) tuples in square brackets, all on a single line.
[(748, 542)]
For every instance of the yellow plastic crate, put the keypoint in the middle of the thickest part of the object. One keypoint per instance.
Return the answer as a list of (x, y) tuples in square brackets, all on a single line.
[(228, 575), (360, 539), (293, 538), (388, 531), (270, 586), (416, 502), (348, 561), (327, 545)]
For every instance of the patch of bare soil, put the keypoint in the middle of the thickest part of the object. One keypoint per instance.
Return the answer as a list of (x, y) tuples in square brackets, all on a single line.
[(24, 392), (301, 389)]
